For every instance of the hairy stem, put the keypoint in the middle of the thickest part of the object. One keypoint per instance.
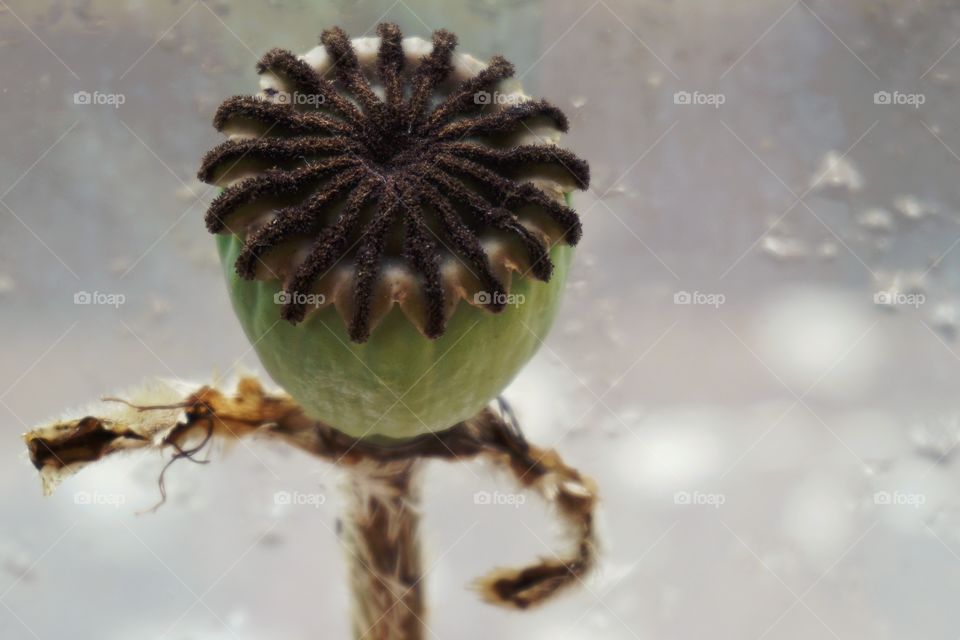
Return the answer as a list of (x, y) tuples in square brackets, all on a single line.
[(383, 547)]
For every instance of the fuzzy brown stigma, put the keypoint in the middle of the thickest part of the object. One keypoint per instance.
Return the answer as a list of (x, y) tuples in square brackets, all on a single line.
[(391, 155)]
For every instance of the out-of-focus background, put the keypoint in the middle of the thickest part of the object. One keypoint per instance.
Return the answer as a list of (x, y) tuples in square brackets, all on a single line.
[(757, 357)]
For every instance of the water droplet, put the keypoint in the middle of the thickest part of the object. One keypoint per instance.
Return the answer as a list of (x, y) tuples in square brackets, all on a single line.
[(912, 208), (942, 78), (168, 39), (906, 282), (120, 264), (828, 250), (159, 306), (876, 219), (945, 319), (189, 192), (14, 561), (783, 247), (837, 172), (936, 439), (621, 190)]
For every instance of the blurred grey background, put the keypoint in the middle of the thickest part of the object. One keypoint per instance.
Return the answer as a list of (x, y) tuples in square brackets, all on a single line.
[(756, 359)]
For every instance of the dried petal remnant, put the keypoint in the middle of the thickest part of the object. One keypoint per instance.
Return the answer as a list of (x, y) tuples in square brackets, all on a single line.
[(185, 415)]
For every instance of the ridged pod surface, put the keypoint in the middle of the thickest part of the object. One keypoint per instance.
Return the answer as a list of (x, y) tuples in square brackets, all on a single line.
[(398, 384)]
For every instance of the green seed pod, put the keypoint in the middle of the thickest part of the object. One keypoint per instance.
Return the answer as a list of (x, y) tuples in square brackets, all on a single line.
[(395, 227)]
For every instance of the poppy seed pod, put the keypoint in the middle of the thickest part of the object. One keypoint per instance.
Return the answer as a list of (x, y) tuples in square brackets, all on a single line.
[(394, 227)]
